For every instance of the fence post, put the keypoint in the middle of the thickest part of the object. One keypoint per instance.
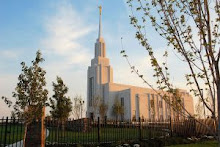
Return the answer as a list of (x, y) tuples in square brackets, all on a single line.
[(105, 120), (98, 130), (43, 137), (194, 126), (171, 131), (149, 128), (140, 128), (6, 125)]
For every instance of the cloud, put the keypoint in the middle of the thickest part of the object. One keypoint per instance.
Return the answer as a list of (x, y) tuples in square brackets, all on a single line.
[(7, 83), (64, 30), (8, 54), (65, 46)]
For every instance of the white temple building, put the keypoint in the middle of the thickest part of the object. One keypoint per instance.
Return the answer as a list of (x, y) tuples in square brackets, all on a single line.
[(136, 101)]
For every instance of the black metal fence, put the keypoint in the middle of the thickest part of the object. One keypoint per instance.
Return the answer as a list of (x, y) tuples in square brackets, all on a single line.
[(11, 132), (87, 131)]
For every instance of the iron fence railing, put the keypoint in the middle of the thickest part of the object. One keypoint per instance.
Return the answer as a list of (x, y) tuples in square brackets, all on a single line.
[(11, 132), (87, 131)]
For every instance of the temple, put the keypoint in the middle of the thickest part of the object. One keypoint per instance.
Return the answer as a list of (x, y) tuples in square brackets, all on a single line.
[(136, 101)]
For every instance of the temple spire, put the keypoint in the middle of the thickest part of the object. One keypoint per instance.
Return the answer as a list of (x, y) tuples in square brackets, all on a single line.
[(100, 43), (100, 22)]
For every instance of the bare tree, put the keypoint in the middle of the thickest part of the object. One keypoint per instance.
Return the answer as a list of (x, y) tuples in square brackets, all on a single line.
[(95, 105), (177, 102), (199, 109), (78, 107), (103, 108), (191, 28)]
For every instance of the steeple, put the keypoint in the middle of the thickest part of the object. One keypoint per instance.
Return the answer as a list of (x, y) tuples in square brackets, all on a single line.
[(100, 22), (100, 43), (100, 71)]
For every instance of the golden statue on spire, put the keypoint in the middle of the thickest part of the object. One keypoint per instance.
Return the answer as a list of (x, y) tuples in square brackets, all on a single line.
[(100, 10), (100, 21)]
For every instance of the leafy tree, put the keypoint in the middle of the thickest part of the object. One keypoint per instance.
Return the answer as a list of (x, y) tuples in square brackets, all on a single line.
[(78, 107), (191, 28), (117, 109), (30, 93), (13, 115), (60, 104)]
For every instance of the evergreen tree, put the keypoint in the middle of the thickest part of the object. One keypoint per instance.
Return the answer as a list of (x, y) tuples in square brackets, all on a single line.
[(61, 104)]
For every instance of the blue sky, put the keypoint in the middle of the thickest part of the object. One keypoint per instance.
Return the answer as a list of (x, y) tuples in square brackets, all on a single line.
[(65, 31)]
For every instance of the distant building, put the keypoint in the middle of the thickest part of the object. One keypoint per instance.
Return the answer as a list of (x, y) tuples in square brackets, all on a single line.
[(136, 101)]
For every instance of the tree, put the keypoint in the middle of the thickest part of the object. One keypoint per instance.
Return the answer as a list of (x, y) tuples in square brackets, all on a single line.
[(191, 28), (199, 109), (95, 105), (30, 93), (209, 101), (78, 106), (30, 96), (103, 108), (117, 109), (60, 104), (177, 102), (13, 115)]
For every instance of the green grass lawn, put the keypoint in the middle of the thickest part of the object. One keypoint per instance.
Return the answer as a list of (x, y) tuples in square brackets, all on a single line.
[(106, 135), (14, 133), (199, 144)]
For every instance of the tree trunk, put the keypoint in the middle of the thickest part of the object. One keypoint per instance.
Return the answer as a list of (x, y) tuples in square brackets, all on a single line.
[(25, 134), (57, 131), (63, 128), (43, 129), (218, 99)]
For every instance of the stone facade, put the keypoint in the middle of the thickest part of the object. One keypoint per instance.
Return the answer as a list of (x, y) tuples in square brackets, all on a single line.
[(136, 101)]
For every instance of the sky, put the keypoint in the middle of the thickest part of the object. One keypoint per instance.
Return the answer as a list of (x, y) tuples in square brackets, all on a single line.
[(65, 32)]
